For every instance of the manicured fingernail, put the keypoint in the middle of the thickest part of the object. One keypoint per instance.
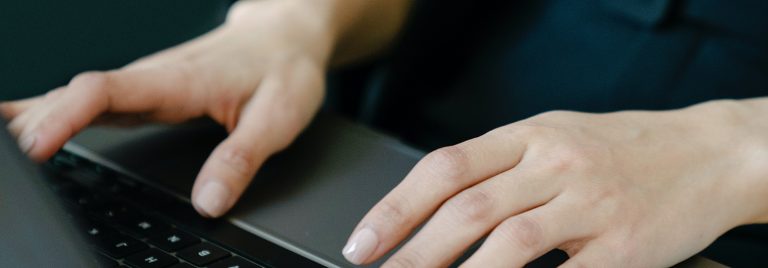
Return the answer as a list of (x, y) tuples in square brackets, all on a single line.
[(213, 198), (26, 143), (361, 246)]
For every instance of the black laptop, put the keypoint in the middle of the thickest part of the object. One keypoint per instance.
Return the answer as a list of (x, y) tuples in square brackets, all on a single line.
[(73, 212), (119, 198)]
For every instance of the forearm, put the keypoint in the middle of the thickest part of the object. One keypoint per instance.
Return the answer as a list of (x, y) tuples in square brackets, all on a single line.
[(338, 31)]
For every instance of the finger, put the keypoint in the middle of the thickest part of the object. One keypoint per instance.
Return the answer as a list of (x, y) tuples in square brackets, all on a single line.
[(281, 107), (10, 110), (435, 178), (89, 95), (469, 215), (21, 112), (594, 254), (16, 126), (34, 110), (520, 239)]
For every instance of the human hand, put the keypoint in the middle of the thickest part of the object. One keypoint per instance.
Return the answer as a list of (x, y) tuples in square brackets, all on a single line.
[(261, 75), (626, 189)]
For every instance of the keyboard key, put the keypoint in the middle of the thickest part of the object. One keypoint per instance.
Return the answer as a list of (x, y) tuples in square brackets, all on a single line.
[(102, 216), (173, 240), (151, 258), (111, 211), (141, 225), (97, 230), (182, 265), (119, 246), (84, 201), (234, 262), (64, 160), (202, 254)]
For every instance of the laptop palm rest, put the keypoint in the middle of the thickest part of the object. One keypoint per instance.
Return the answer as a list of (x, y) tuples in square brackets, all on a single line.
[(309, 197)]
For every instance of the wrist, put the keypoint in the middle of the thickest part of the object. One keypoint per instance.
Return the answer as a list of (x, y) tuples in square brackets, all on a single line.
[(291, 27), (755, 110), (742, 136), (337, 31)]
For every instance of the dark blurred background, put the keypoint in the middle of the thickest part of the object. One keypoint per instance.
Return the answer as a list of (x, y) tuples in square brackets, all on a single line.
[(45, 43)]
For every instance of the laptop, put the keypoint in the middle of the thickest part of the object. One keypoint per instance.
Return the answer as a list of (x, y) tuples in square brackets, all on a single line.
[(115, 198)]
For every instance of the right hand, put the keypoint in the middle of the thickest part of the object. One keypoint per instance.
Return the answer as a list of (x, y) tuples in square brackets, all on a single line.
[(261, 75)]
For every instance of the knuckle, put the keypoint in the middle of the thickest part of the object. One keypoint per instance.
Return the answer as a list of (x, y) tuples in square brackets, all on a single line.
[(471, 205), (449, 163), (554, 115), (391, 212), (570, 159), (90, 81), (240, 159), (239, 10), (522, 232), (525, 131), (513, 130), (54, 94), (502, 132), (604, 196), (93, 86)]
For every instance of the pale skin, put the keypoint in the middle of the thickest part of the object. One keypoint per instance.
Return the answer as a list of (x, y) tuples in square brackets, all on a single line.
[(623, 189)]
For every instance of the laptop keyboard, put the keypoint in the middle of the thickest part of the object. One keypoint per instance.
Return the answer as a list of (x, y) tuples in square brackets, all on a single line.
[(126, 234)]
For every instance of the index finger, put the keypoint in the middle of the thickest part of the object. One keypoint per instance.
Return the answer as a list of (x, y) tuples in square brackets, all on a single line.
[(89, 95), (437, 177), (11, 109)]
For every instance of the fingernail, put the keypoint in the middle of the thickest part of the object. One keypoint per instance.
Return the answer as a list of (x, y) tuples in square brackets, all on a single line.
[(26, 144), (361, 246), (213, 198)]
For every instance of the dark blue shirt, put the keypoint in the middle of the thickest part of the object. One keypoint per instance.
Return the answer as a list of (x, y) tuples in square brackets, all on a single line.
[(465, 67)]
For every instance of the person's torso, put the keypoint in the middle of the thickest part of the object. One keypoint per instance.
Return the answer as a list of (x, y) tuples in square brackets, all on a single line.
[(465, 68)]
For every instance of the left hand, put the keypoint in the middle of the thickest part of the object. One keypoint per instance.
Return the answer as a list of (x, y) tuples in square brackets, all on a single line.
[(625, 189), (260, 74)]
